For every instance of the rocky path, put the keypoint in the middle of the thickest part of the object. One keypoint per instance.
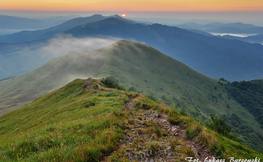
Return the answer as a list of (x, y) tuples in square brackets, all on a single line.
[(89, 85), (149, 137), (179, 132), (128, 105)]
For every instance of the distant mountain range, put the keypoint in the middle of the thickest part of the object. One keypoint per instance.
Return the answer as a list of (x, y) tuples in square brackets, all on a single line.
[(212, 56), (252, 39), (230, 28), (224, 27), (11, 24), (141, 68), (45, 34)]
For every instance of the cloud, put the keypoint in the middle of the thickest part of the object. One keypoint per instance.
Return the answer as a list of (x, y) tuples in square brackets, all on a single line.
[(233, 34), (62, 44), (18, 60)]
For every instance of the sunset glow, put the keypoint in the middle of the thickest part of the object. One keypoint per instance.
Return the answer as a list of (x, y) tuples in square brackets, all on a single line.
[(135, 5), (123, 15)]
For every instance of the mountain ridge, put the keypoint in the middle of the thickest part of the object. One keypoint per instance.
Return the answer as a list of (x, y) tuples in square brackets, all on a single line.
[(142, 69), (212, 56), (88, 121), (237, 27), (25, 36)]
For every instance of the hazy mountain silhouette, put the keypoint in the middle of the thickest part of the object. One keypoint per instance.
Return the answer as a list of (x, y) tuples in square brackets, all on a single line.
[(214, 57), (224, 27), (50, 32)]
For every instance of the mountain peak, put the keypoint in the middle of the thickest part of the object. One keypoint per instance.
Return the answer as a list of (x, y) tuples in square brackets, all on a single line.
[(116, 16), (97, 16), (126, 44)]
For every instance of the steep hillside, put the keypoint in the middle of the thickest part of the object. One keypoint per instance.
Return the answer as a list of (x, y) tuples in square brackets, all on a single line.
[(250, 95), (85, 121), (141, 68)]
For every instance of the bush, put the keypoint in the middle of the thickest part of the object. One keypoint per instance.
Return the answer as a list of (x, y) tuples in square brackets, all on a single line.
[(165, 134), (152, 98), (219, 125), (110, 82), (146, 106), (183, 113), (158, 131), (89, 104), (192, 132), (173, 120)]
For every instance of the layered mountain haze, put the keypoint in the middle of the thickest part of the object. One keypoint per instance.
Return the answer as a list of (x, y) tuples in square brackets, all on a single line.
[(237, 28), (13, 24), (210, 55), (240, 31), (44, 34), (141, 68), (49, 32)]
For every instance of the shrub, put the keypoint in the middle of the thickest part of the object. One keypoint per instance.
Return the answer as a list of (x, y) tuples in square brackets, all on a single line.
[(90, 103), (219, 125), (192, 132), (152, 98), (165, 134), (183, 113), (158, 131), (146, 106), (111, 82), (173, 120)]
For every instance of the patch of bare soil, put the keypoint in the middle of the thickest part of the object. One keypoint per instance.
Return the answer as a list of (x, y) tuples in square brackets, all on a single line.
[(179, 131), (128, 105), (149, 137), (90, 86)]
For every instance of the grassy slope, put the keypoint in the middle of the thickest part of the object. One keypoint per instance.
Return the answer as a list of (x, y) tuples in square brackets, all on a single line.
[(139, 66), (61, 124), (149, 71), (85, 125)]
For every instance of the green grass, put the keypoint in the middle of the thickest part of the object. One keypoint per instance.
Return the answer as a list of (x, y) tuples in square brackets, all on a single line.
[(61, 126), (146, 70), (220, 145), (73, 124)]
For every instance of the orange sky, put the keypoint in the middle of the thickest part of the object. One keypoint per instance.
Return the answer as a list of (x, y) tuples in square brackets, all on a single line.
[(132, 5)]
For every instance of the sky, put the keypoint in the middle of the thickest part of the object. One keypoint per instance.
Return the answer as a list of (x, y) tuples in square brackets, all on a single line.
[(133, 5), (248, 11)]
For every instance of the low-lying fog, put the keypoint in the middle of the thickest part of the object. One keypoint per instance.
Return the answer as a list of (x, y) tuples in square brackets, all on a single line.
[(30, 57)]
